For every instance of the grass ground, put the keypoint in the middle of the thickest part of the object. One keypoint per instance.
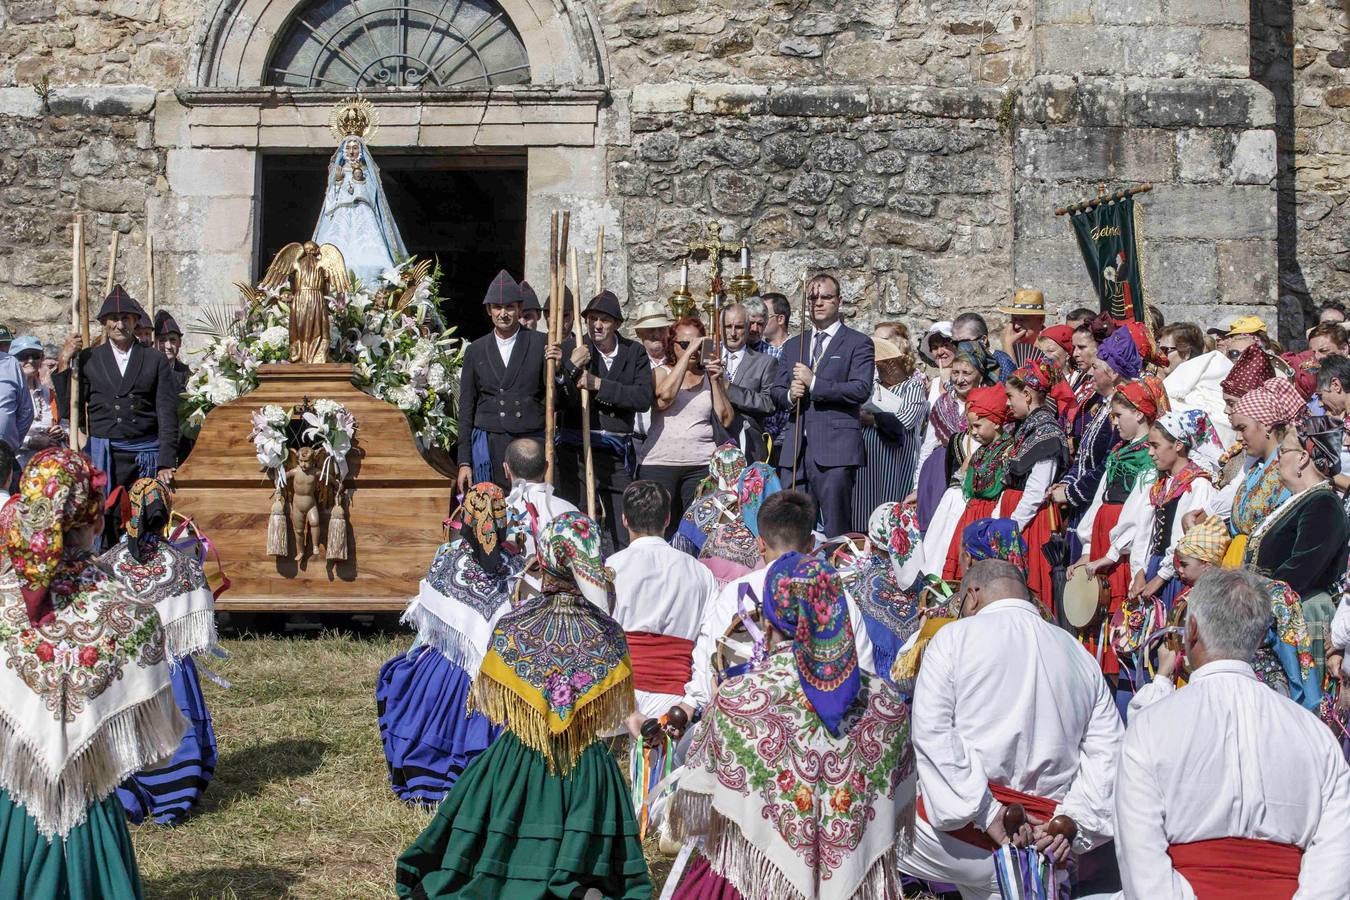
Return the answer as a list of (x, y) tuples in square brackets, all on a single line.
[(300, 807)]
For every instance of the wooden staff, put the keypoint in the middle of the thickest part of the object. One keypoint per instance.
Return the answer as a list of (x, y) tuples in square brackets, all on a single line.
[(112, 265), (78, 310), (150, 278), (801, 360), (586, 396), (554, 327), (579, 333)]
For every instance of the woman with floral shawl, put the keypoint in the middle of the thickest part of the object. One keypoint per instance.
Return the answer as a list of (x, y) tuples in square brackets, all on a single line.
[(429, 737), (714, 500), (1116, 506), (946, 445), (886, 584), (1038, 456), (979, 485), (732, 549), (1255, 417), (85, 693), (153, 571), (769, 819), (544, 812)]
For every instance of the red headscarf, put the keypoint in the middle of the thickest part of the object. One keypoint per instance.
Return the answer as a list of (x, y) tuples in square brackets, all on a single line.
[(989, 403), (1138, 395), (1277, 402), (1060, 334), (1251, 370)]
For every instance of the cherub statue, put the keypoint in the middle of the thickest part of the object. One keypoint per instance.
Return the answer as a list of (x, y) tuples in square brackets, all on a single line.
[(313, 271), (305, 485)]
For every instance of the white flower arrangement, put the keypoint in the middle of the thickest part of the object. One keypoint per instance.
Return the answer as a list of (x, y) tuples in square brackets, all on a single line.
[(406, 357), (328, 425)]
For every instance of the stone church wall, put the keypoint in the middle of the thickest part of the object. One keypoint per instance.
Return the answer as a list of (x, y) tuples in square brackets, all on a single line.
[(917, 147)]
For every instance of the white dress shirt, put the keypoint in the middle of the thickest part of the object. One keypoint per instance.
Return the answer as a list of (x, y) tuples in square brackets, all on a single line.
[(1034, 493), (1132, 534), (1005, 697), (825, 348), (1226, 756), (121, 357), (1132, 512), (718, 615), (547, 507), (659, 590), (733, 360), (505, 346)]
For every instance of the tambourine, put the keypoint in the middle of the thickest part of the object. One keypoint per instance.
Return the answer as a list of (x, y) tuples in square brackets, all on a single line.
[(1082, 597)]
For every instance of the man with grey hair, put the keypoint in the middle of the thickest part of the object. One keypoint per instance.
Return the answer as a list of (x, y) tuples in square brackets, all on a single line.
[(1227, 785), (749, 376), (972, 327), (756, 314), (1007, 709)]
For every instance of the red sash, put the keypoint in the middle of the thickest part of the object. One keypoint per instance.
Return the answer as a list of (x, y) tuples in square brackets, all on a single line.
[(1234, 868), (1037, 808), (662, 664)]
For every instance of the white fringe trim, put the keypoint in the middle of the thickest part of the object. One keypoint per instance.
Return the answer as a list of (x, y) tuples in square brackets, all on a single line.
[(749, 870), (139, 737), (191, 634), (453, 644)]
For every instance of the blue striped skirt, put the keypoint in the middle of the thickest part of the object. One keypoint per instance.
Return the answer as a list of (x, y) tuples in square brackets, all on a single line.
[(168, 794), (428, 734)]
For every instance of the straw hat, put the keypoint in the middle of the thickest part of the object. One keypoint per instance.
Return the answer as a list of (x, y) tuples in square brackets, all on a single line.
[(1025, 303), (652, 314)]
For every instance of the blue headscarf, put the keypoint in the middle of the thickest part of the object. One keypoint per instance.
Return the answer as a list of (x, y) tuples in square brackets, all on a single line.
[(804, 600), (995, 539), (757, 483)]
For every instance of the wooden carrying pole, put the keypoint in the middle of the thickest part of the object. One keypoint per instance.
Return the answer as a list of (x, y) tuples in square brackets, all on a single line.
[(554, 327), (586, 395), (150, 278), (112, 265), (1103, 198), (579, 333), (801, 359), (79, 316)]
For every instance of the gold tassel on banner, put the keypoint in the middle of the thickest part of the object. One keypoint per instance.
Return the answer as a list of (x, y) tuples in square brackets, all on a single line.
[(278, 527)]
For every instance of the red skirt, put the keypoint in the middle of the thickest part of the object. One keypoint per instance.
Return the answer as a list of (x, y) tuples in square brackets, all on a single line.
[(1036, 533), (1117, 579), (975, 510)]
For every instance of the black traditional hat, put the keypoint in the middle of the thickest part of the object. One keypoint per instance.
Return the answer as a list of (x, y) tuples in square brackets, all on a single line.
[(529, 300), (119, 303), (165, 324), (144, 321), (568, 302), (605, 302), (503, 290)]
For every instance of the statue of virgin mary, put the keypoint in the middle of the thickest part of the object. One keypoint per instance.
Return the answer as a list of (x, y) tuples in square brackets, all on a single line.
[(356, 216)]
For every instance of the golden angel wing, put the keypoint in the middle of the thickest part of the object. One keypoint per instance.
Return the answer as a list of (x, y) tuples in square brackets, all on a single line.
[(416, 275), (282, 266), (332, 263)]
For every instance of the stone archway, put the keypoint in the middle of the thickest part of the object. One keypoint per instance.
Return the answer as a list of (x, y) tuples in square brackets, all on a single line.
[(563, 42)]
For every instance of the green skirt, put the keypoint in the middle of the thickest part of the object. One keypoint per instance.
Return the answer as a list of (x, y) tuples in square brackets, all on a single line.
[(94, 862), (509, 830)]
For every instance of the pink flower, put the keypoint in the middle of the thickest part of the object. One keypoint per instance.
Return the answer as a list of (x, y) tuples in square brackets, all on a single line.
[(88, 657), (44, 651), (786, 780)]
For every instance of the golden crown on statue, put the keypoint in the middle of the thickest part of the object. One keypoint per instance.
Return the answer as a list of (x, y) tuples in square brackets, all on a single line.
[(354, 118)]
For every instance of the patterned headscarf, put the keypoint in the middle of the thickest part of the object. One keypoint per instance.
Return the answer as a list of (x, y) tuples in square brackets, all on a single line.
[(1193, 428), (151, 504), (483, 525), (726, 466), (1206, 541), (1321, 438), (979, 357), (894, 528), (1138, 395), (757, 483), (569, 549), (1039, 374), (1276, 402), (60, 490), (1121, 354), (1252, 369), (995, 539), (805, 601)]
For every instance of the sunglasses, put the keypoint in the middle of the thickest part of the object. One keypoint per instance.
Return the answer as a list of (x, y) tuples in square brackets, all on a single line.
[(683, 344), (29, 357), (1166, 349)]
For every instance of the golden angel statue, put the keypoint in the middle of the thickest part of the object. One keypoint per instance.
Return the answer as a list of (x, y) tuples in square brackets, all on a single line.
[(314, 271)]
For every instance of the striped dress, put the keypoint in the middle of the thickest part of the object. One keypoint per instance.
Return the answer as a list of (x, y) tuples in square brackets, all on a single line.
[(892, 447)]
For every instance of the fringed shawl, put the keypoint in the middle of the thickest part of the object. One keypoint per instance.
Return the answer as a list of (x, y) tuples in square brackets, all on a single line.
[(85, 698), (175, 585), (1037, 437), (777, 822), (557, 674)]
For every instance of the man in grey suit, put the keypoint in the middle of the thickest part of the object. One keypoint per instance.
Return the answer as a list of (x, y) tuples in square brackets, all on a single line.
[(749, 376)]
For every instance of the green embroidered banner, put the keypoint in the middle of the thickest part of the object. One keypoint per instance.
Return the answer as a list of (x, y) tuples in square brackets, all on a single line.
[(1105, 235)]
